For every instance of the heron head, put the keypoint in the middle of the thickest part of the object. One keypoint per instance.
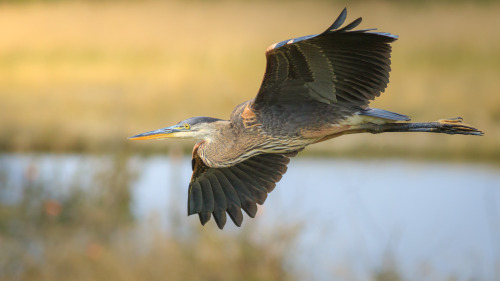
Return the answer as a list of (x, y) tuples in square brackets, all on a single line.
[(192, 128)]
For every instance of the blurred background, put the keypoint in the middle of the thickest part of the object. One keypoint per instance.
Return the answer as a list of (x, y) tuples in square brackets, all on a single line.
[(80, 202)]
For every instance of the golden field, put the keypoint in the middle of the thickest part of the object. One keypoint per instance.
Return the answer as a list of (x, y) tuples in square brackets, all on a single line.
[(84, 76)]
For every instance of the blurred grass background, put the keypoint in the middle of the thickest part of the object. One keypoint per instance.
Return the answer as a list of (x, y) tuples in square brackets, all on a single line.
[(86, 231), (82, 76)]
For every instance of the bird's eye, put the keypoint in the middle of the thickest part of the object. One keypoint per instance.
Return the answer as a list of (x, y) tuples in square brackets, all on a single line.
[(186, 126)]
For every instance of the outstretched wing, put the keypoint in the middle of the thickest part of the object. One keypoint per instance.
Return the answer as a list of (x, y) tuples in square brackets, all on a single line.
[(242, 186), (340, 65)]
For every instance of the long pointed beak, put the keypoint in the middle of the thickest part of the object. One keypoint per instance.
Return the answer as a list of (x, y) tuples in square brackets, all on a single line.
[(168, 132)]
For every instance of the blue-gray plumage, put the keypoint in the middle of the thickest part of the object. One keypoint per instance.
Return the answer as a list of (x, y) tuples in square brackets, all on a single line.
[(315, 88)]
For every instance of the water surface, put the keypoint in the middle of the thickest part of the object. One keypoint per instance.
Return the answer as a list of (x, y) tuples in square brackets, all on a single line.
[(441, 218)]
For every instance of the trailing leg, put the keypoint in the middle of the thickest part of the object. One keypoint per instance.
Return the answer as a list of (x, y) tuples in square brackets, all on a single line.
[(447, 126)]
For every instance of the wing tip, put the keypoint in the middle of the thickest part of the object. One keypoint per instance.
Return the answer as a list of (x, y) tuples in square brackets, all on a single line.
[(235, 214), (220, 218), (335, 27), (204, 217)]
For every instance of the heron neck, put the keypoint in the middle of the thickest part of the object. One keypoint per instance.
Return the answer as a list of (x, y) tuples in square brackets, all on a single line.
[(222, 147)]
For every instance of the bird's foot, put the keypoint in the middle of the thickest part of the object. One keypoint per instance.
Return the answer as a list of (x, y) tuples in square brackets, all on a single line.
[(456, 126)]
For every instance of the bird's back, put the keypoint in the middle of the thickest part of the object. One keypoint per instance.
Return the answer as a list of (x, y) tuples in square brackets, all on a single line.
[(284, 128)]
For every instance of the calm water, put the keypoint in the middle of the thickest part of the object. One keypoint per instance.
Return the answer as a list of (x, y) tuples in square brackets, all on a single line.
[(434, 218)]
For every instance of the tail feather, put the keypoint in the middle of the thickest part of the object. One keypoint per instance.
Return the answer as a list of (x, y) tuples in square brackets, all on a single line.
[(380, 113)]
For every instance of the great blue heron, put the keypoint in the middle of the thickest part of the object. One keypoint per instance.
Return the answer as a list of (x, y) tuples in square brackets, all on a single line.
[(315, 88)]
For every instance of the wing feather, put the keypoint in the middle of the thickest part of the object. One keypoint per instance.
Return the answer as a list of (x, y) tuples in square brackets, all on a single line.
[(338, 22), (215, 191), (341, 65), (208, 201), (248, 203), (195, 199), (220, 204)]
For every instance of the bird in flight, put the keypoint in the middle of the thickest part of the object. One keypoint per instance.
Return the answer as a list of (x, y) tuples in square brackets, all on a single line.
[(315, 88)]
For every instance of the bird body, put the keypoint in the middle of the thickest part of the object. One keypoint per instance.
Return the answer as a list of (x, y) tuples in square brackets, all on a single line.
[(277, 129), (315, 88)]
